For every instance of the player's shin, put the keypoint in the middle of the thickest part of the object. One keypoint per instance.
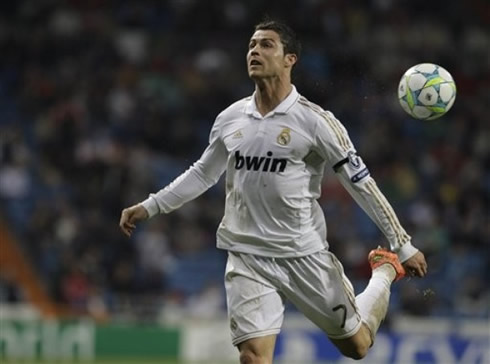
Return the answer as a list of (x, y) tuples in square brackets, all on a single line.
[(373, 301)]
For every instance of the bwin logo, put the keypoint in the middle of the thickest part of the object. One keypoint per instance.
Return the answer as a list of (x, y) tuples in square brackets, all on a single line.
[(264, 164)]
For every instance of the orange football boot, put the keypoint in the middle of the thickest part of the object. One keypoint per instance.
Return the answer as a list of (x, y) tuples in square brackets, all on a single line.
[(380, 256)]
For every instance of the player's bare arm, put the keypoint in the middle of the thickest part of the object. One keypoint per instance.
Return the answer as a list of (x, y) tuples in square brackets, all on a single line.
[(130, 216)]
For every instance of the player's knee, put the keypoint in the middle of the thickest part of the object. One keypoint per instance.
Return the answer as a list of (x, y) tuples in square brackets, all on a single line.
[(249, 357), (355, 347), (359, 353), (356, 352), (257, 350)]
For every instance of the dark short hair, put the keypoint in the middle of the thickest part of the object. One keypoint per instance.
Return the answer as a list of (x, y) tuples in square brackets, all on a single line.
[(288, 36)]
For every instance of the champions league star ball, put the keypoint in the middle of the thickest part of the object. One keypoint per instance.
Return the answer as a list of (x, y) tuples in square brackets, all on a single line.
[(426, 91)]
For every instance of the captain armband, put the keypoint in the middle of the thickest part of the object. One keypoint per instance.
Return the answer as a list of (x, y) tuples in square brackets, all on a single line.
[(353, 166)]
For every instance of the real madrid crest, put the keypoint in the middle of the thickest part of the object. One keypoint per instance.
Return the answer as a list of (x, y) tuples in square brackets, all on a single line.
[(284, 136)]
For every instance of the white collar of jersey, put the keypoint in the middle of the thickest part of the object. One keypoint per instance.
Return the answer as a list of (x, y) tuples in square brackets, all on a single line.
[(282, 108)]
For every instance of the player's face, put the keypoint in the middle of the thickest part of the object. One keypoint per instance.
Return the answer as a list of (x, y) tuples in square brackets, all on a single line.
[(265, 57)]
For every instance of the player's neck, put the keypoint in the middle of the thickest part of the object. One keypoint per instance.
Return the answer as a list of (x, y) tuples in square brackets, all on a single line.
[(270, 93)]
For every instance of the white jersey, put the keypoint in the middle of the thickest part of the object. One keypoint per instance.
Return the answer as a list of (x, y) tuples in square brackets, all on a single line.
[(274, 168)]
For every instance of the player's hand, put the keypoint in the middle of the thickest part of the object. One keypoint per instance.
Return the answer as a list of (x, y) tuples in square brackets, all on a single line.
[(130, 216), (416, 266)]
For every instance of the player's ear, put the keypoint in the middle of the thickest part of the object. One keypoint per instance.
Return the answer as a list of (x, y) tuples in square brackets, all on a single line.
[(290, 59)]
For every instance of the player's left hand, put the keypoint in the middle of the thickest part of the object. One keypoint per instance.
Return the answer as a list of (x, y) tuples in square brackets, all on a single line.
[(416, 266)]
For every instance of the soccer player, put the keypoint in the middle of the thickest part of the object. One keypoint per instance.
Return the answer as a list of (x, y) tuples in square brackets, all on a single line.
[(274, 146)]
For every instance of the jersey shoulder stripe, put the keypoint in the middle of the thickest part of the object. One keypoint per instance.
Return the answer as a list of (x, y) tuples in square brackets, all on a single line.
[(401, 235), (339, 130)]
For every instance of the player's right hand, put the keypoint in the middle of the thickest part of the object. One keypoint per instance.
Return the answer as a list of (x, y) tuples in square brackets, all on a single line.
[(130, 216)]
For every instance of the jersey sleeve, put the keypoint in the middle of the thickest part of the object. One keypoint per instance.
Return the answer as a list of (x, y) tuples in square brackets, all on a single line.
[(203, 174), (334, 145)]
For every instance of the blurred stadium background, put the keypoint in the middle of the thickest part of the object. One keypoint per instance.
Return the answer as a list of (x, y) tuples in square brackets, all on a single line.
[(102, 102)]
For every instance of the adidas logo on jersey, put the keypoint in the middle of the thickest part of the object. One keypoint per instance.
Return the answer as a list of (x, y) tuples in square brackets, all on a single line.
[(264, 164), (238, 135)]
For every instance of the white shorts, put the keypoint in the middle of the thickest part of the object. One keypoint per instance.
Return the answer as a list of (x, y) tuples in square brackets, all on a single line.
[(257, 287)]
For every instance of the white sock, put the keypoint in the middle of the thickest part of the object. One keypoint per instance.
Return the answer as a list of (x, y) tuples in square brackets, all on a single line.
[(373, 301)]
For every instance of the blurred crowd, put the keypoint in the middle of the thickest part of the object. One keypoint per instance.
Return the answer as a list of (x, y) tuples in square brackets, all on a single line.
[(103, 102)]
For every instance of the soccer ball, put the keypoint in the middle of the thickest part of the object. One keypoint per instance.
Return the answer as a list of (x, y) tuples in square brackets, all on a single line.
[(426, 91)]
